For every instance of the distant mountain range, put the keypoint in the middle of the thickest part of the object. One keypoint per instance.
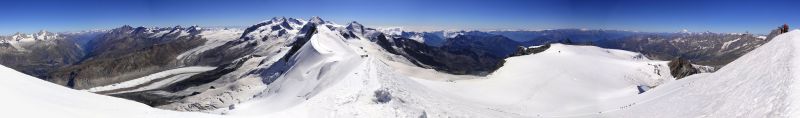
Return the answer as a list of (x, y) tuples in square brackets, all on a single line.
[(62, 57), (705, 48)]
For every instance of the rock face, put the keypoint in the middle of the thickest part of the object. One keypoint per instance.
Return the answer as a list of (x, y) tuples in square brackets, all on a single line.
[(463, 54), (680, 68), (127, 53), (533, 50), (382, 96), (713, 49)]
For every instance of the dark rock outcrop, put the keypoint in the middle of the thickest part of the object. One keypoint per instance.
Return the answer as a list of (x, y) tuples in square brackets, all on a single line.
[(680, 68), (526, 51), (382, 96), (706, 48), (463, 54)]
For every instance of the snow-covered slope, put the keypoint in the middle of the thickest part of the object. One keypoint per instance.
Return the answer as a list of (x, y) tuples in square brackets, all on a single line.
[(333, 76), (761, 83), (26, 96), (340, 72), (562, 80), (319, 64)]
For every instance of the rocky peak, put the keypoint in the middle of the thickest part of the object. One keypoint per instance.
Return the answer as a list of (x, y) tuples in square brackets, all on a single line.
[(521, 50), (277, 19), (293, 21), (126, 28), (139, 30), (277, 26), (42, 32), (316, 20), (356, 27), (123, 29), (194, 29)]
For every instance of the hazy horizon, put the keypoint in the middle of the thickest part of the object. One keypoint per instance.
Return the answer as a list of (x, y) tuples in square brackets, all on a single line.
[(757, 17)]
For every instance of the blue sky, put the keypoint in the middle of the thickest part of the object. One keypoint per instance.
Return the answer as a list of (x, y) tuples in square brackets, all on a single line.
[(757, 16)]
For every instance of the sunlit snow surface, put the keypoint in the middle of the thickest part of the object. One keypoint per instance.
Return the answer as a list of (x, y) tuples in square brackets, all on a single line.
[(564, 81), (330, 80), (329, 77), (29, 97)]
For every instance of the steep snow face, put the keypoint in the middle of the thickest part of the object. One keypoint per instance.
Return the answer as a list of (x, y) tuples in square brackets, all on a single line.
[(321, 62), (761, 83), (27, 96)]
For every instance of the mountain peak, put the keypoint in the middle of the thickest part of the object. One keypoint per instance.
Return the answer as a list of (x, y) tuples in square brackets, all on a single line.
[(316, 20), (42, 32), (278, 19), (274, 26), (355, 25)]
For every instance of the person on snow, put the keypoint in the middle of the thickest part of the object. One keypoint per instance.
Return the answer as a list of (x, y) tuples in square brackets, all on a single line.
[(785, 28)]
